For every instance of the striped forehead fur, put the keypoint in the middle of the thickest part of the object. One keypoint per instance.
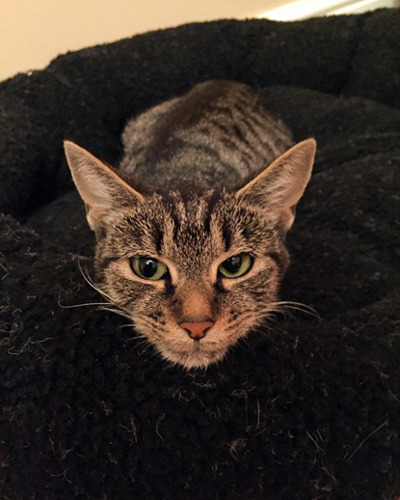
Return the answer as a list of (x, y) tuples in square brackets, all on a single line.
[(189, 226)]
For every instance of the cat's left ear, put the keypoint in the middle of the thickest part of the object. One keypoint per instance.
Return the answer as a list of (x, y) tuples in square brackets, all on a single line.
[(101, 187), (280, 186)]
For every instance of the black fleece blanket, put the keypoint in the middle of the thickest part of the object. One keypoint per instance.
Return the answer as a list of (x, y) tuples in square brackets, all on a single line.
[(309, 409)]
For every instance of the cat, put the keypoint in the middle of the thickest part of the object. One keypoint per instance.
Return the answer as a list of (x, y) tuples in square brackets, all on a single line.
[(191, 228)]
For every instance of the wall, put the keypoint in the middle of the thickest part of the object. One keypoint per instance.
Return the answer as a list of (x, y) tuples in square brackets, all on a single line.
[(32, 32)]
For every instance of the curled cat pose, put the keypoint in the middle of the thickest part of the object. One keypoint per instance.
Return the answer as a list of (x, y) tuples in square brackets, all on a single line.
[(191, 228)]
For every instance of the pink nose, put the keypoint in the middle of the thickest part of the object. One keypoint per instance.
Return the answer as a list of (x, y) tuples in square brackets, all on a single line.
[(197, 331)]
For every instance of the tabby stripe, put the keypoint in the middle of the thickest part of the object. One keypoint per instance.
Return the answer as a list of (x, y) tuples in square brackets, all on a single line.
[(239, 134), (201, 148), (159, 239), (211, 201), (277, 258), (226, 235), (220, 126), (234, 131), (268, 130), (266, 137), (242, 145), (272, 129), (262, 120), (255, 128), (218, 285), (106, 261), (169, 288), (173, 213)]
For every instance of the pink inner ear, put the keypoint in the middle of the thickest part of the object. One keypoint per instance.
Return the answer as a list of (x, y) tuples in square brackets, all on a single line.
[(100, 186), (287, 217), (97, 182), (94, 215), (280, 186)]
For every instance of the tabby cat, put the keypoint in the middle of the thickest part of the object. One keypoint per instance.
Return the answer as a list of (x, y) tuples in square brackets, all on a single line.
[(191, 228)]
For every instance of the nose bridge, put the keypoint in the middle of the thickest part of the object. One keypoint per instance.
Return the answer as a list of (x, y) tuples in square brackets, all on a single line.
[(196, 303)]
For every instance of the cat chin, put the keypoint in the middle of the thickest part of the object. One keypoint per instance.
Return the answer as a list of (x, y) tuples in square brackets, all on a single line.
[(196, 358)]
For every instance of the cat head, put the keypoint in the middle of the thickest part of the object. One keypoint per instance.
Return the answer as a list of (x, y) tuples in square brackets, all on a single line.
[(195, 271)]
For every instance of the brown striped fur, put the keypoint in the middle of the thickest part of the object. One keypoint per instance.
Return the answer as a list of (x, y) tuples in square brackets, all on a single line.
[(206, 194)]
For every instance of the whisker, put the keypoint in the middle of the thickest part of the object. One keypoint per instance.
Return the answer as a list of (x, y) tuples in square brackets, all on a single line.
[(90, 282), (283, 307), (116, 311), (143, 343), (267, 329), (73, 306), (110, 300), (287, 304), (240, 319), (108, 305), (126, 325)]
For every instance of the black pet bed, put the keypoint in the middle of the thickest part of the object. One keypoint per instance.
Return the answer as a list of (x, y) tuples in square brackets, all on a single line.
[(307, 410)]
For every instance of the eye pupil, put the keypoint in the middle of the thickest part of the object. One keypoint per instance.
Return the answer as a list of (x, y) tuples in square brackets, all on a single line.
[(236, 266), (232, 265), (148, 267)]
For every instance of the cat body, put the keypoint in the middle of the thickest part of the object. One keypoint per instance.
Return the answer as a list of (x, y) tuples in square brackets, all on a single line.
[(219, 135), (191, 228)]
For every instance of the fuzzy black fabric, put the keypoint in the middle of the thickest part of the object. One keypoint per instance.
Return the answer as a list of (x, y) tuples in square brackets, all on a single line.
[(308, 409)]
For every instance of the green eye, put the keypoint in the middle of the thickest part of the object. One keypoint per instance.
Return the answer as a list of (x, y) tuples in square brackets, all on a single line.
[(148, 268), (236, 266)]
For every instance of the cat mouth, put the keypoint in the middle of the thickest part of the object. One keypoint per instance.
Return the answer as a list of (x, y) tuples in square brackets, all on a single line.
[(197, 356)]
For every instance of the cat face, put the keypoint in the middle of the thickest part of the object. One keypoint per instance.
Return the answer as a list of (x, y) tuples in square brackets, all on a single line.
[(208, 260), (195, 272)]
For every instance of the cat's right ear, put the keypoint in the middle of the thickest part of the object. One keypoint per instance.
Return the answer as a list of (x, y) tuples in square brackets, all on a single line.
[(279, 187), (100, 187)]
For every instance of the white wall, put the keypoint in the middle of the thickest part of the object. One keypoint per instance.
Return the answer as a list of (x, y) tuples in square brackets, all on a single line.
[(32, 32)]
